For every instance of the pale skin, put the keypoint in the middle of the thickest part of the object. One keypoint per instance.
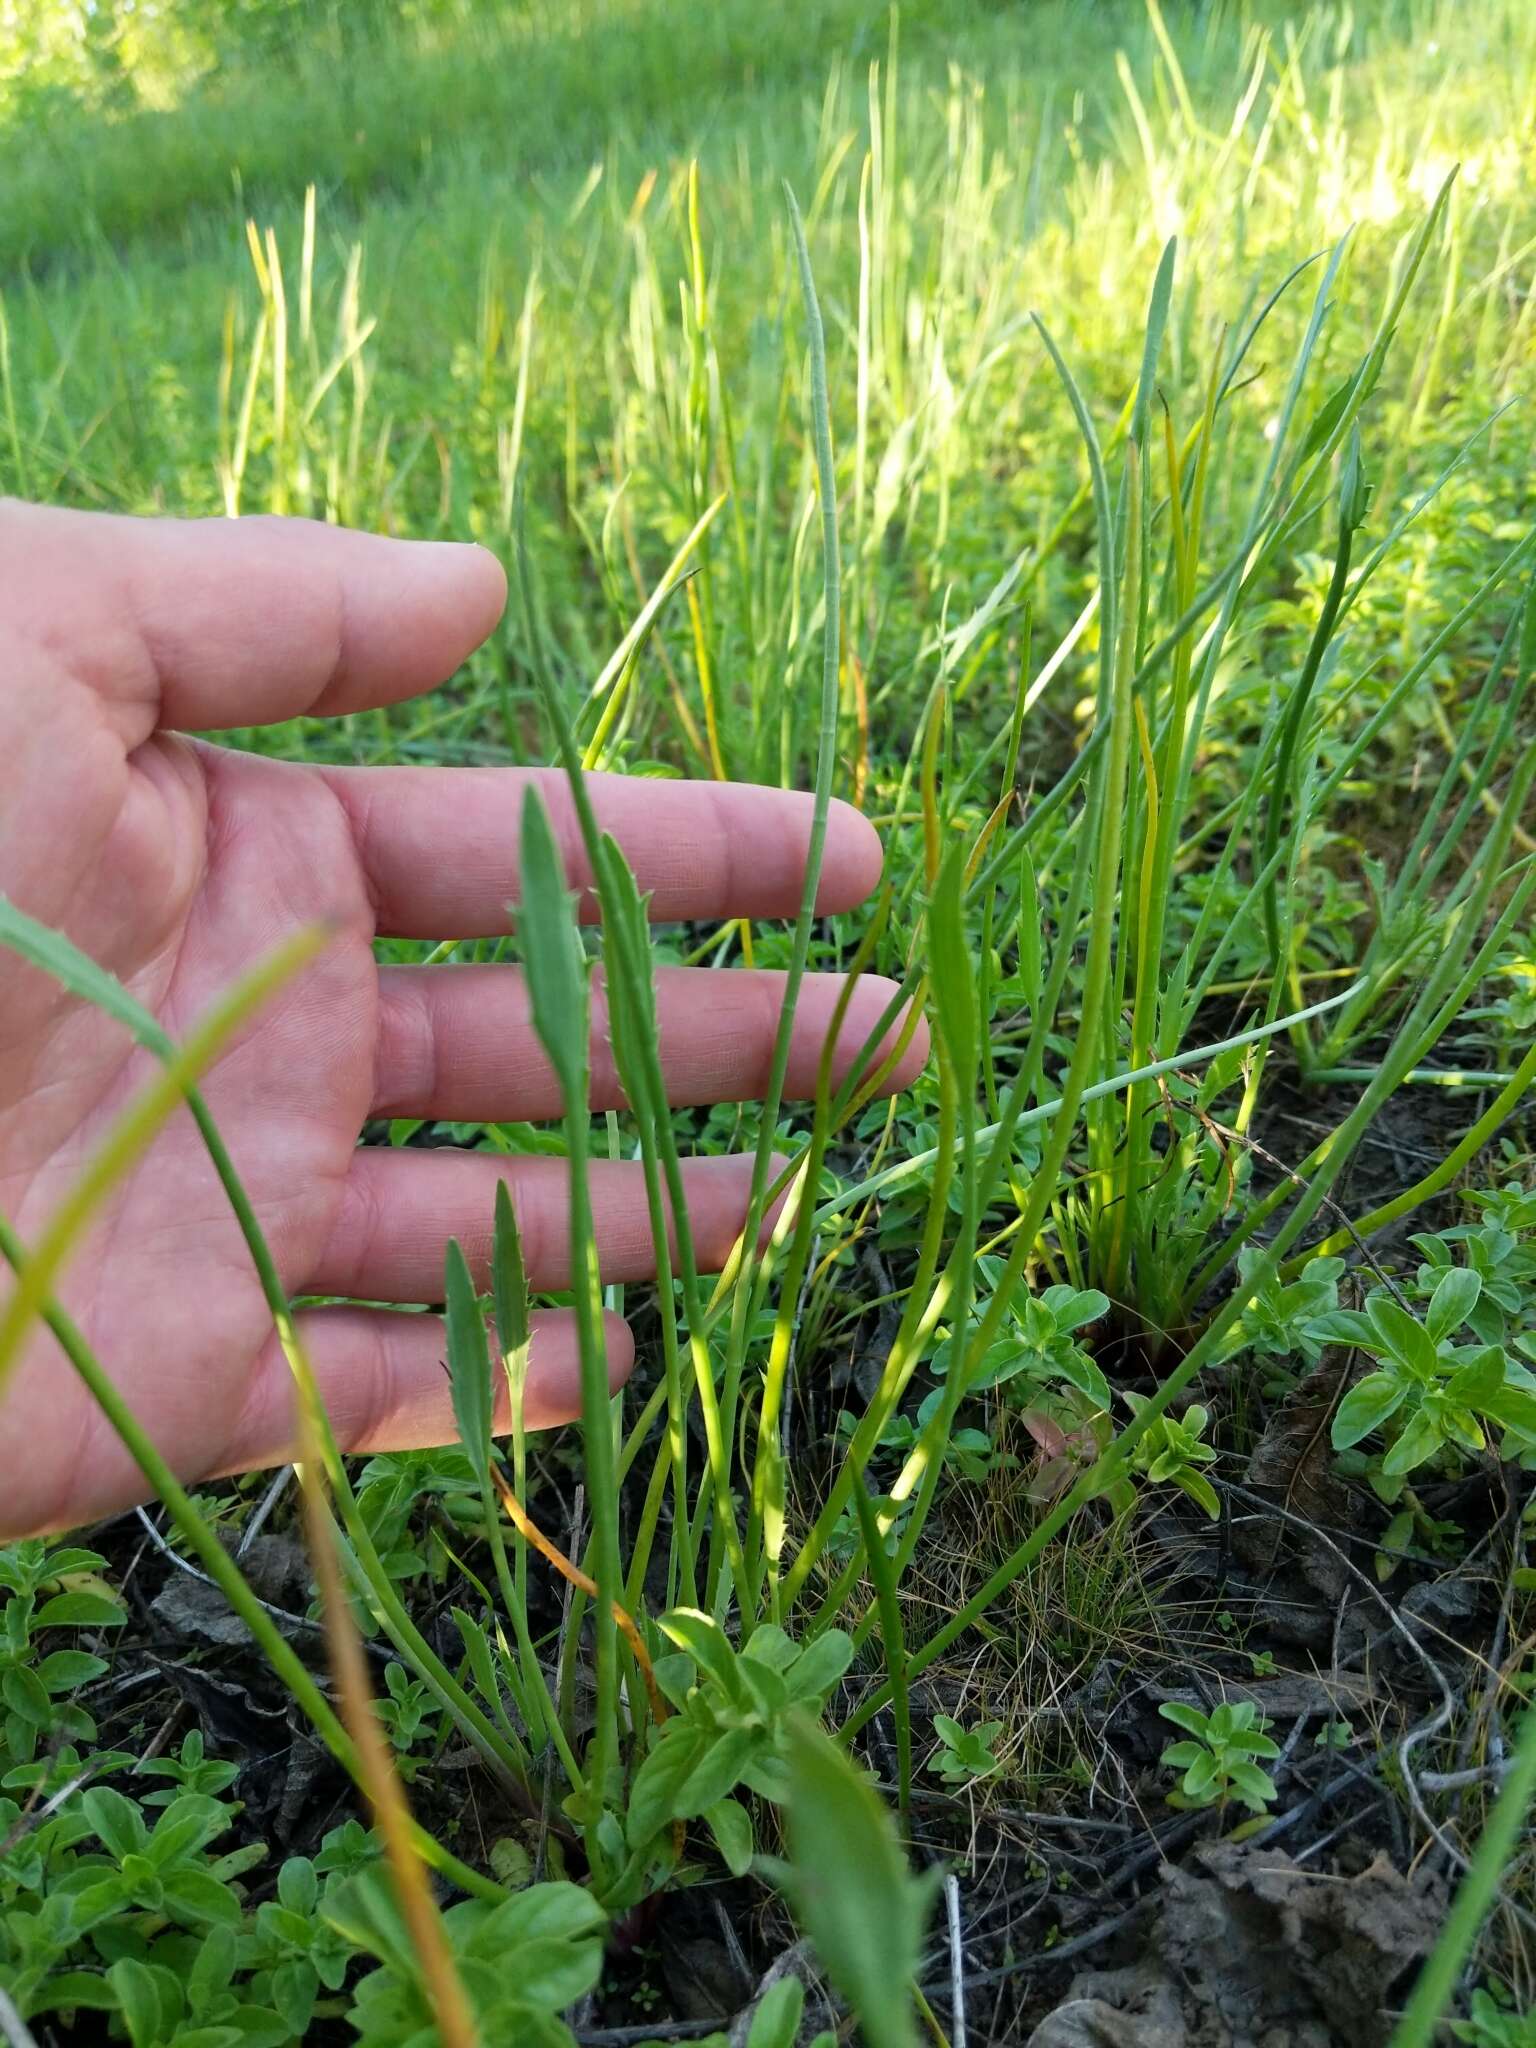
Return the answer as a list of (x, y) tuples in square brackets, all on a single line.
[(177, 863)]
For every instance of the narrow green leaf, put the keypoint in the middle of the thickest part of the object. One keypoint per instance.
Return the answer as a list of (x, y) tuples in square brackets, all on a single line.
[(1354, 491), (1030, 951), (1332, 410), (1157, 321), (509, 1278), (1528, 632), (477, 1649), (58, 956), (631, 997), (851, 1887), (952, 973), (469, 1362), (553, 959)]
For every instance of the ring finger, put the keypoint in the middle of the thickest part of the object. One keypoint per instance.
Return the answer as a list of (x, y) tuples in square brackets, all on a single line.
[(400, 1207)]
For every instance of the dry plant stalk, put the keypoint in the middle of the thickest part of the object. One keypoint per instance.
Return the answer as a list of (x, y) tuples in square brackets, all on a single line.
[(531, 1533), (413, 1891)]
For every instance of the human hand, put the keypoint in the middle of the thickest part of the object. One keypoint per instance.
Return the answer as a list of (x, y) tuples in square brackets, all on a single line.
[(176, 864)]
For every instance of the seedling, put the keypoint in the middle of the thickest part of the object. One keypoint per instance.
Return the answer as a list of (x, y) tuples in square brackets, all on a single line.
[(1494, 2021), (1219, 1764), (965, 1753), (189, 1771), (1430, 1391), (1172, 1451)]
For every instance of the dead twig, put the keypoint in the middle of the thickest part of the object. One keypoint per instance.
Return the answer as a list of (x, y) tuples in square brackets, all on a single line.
[(1062, 1951), (1422, 1730), (13, 2026), (267, 1503), (192, 1571), (956, 1962), (623, 2037)]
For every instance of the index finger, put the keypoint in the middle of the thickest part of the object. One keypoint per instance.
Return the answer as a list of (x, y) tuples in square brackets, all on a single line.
[(205, 624)]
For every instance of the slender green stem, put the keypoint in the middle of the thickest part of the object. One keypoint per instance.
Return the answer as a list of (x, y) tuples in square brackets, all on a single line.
[(1450, 984), (924, 1304), (597, 1439), (919, 1163), (1462, 1153), (1475, 1898), (765, 1536), (630, 972), (887, 1578), (826, 765), (136, 1127), (1295, 720)]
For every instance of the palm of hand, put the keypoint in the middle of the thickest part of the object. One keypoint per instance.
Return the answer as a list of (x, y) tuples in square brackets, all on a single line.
[(176, 864)]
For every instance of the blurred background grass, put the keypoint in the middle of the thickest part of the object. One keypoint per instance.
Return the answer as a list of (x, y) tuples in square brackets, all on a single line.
[(497, 285)]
